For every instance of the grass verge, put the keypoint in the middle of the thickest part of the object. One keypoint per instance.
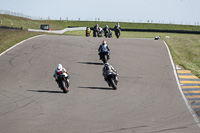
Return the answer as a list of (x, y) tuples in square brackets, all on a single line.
[(8, 38)]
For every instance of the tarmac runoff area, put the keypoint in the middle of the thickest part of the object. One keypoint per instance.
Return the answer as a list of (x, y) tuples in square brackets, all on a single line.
[(147, 100)]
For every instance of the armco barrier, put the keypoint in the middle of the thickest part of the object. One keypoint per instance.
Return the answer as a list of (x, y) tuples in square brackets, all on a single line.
[(166, 31), (15, 28), (155, 30)]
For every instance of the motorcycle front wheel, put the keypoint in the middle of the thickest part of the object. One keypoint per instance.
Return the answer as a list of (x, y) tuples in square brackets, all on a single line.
[(113, 84), (63, 87)]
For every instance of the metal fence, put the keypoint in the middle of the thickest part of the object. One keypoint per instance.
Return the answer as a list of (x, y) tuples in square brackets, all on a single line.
[(17, 14)]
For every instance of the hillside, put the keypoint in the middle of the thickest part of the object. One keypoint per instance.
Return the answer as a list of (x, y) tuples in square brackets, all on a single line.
[(7, 20)]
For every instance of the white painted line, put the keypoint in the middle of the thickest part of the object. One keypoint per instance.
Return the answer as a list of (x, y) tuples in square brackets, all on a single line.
[(19, 44), (59, 31), (179, 86)]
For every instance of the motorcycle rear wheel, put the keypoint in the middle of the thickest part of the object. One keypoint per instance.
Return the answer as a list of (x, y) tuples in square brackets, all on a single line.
[(104, 59)]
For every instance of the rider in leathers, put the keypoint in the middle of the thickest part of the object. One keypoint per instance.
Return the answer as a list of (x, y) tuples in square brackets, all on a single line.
[(117, 28), (96, 26), (61, 69), (107, 69), (103, 48), (105, 29)]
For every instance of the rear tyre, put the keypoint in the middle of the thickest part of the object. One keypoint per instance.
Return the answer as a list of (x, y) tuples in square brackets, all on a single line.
[(104, 59), (87, 35)]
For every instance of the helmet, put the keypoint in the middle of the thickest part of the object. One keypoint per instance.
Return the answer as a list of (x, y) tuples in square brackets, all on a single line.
[(107, 26), (106, 64), (97, 25), (59, 67), (103, 42)]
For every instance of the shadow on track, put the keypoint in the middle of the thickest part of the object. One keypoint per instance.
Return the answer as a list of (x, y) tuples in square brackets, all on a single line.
[(91, 63), (97, 88), (46, 91)]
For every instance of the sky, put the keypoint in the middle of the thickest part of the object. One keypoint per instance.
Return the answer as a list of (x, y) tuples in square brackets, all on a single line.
[(156, 11)]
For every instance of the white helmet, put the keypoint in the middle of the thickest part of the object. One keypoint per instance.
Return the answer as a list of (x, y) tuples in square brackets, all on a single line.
[(59, 67)]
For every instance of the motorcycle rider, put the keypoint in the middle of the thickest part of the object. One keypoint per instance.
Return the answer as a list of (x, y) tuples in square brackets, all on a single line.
[(96, 30), (105, 29), (107, 69), (96, 26), (103, 48), (88, 29), (100, 32), (117, 28), (63, 71)]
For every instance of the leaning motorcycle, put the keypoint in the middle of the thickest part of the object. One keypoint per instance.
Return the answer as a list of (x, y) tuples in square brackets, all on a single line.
[(112, 80), (63, 83), (104, 56)]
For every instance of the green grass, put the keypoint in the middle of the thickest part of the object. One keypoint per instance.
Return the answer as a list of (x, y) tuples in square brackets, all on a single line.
[(8, 38)]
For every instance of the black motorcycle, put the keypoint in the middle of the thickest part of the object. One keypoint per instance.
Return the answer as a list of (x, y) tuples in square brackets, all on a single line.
[(112, 80), (108, 33), (63, 83), (117, 32), (87, 33), (95, 32), (104, 56)]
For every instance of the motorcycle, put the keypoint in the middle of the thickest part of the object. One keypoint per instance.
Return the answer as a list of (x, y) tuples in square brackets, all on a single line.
[(88, 33), (104, 56), (117, 33), (106, 33), (100, 33), (112, 80), (63, 82), (95, 32)]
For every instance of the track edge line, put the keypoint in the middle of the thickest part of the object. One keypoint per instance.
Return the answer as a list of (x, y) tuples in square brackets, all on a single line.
[(179, 86), (19, 44)]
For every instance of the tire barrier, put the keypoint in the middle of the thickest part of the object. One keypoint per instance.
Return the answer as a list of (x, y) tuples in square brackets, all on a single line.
[(156, 30), (15, 28)]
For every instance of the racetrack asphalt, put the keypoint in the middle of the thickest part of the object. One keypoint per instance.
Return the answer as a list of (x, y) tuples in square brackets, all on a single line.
[(147, 99)]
